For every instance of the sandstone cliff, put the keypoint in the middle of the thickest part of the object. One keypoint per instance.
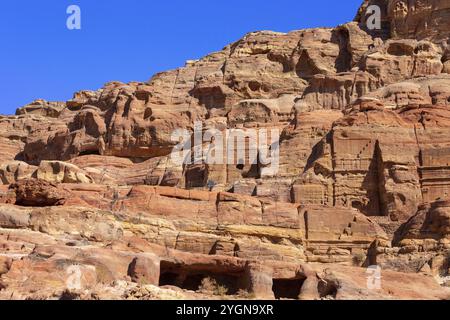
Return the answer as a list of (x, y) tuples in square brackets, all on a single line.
[(93, 207)]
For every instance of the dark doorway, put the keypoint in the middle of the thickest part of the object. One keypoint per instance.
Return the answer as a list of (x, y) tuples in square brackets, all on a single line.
[(201, 280), (167, 279), (196, 176), (287, 288)]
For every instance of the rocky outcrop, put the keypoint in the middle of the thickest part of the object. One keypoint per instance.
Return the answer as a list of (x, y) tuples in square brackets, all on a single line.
[(93, 206), (42, 108), (38, 193), (397, 60), (411, 19)]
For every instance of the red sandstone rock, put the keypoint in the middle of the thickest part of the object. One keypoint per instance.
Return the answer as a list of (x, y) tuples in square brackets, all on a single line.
[(363, 176), (39, 193), (145, 270)]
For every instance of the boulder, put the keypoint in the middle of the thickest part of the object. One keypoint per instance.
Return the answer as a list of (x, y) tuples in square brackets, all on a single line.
[(38, 193)]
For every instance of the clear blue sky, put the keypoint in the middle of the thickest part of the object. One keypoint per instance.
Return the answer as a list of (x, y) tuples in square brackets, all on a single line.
[(131, 40)]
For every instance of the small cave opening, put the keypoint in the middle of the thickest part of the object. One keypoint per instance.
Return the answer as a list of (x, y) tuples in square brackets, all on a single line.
[(148, 113), (167, 279), (358, 205), (287, 289), (89, 153), (68, 295), (254, 86), (210, 98), (306, 67), (217, 283), (401, 49), (196, 176)]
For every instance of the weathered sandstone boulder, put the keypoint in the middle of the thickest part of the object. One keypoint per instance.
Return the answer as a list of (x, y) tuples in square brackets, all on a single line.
[(39, 193), (92, 205)]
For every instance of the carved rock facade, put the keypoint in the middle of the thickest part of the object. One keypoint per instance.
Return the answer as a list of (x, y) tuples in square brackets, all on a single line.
[(363, 179)]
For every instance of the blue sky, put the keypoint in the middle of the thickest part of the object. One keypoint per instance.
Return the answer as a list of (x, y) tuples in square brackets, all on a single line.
[(131, 40)]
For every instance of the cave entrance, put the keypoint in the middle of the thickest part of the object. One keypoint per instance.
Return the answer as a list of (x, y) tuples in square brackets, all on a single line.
[(168, 279), (196, 176), (95, 152), (344, 59), (219, 283), (287, 288), (374, 184)]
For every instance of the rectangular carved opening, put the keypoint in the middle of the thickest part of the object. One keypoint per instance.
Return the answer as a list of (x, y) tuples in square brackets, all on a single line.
[(287, 288), (201, 279)]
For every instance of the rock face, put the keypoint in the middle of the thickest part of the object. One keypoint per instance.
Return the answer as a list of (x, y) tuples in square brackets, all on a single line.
[(93, 205), (420, 19), (37, 193)]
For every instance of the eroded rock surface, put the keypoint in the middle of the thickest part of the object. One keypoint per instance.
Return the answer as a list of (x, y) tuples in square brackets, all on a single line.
[(92, 206)]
